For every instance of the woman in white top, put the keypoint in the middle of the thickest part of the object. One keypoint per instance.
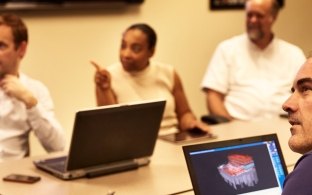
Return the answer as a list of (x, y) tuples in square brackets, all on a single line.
[(137, 78)]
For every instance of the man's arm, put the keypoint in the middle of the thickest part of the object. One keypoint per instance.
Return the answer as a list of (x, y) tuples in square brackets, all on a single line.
[(40, 114), (215, 103), (43, 122), (46, 128)]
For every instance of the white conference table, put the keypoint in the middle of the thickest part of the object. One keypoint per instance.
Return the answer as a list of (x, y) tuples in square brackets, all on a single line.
[(166, 174)]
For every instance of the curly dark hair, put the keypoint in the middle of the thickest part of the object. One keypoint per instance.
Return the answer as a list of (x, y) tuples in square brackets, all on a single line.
[(149, 31)]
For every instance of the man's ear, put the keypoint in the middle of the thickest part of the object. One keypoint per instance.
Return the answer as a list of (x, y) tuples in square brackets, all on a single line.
[(22, 49), (273, 18)]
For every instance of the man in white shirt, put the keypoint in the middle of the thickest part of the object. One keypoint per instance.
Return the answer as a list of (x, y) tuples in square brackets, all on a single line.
[(249, 75), (25, 103)]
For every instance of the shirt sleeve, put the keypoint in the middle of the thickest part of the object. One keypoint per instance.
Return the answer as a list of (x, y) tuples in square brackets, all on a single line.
[(216, 76), (42, 121)]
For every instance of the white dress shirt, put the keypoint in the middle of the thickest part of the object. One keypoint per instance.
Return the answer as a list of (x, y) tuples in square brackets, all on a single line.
[(16, 122), (255, 82)]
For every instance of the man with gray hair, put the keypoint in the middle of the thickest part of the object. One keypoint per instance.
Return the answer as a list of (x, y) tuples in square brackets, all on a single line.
[(249, 75), (299, 107)]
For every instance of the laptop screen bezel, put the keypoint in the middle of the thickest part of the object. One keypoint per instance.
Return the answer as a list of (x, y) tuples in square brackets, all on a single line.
[(188, 149), (152, 109)]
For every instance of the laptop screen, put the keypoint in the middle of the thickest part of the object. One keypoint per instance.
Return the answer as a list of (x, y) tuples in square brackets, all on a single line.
[(253, 165)]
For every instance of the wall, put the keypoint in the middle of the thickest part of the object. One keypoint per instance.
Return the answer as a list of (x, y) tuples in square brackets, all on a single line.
[(63, 42)]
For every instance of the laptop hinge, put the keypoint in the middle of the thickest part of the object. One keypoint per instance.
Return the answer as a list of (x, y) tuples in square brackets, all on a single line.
[(113, 168)]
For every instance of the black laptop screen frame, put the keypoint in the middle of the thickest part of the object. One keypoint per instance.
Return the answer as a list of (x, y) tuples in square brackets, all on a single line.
[(114, 134), (203, 177)]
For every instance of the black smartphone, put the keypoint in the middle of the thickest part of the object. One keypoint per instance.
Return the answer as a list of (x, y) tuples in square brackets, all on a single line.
[(196, 132), (21, 178), (175, 137), (187, 136)]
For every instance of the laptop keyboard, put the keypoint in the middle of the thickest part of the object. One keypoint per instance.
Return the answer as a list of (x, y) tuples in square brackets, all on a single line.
[(57, 164), (60, 166)]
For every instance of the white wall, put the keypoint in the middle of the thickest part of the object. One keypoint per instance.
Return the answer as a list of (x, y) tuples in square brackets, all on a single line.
[(63, 42)]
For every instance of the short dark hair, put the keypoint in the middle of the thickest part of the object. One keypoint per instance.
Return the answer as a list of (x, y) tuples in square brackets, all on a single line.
[(19, 29), (149, 31)]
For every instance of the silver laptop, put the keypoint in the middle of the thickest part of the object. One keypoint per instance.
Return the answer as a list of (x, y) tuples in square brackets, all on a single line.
[(109, 139), (253, 165)]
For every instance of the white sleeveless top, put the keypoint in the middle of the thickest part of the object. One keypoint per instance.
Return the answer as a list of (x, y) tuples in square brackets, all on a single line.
[(154, 82)]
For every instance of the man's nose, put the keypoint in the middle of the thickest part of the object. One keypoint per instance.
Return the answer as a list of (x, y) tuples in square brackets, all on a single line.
[(290, 104)]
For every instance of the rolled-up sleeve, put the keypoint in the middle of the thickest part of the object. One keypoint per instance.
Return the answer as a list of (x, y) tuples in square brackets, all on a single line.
[(43, 122)]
